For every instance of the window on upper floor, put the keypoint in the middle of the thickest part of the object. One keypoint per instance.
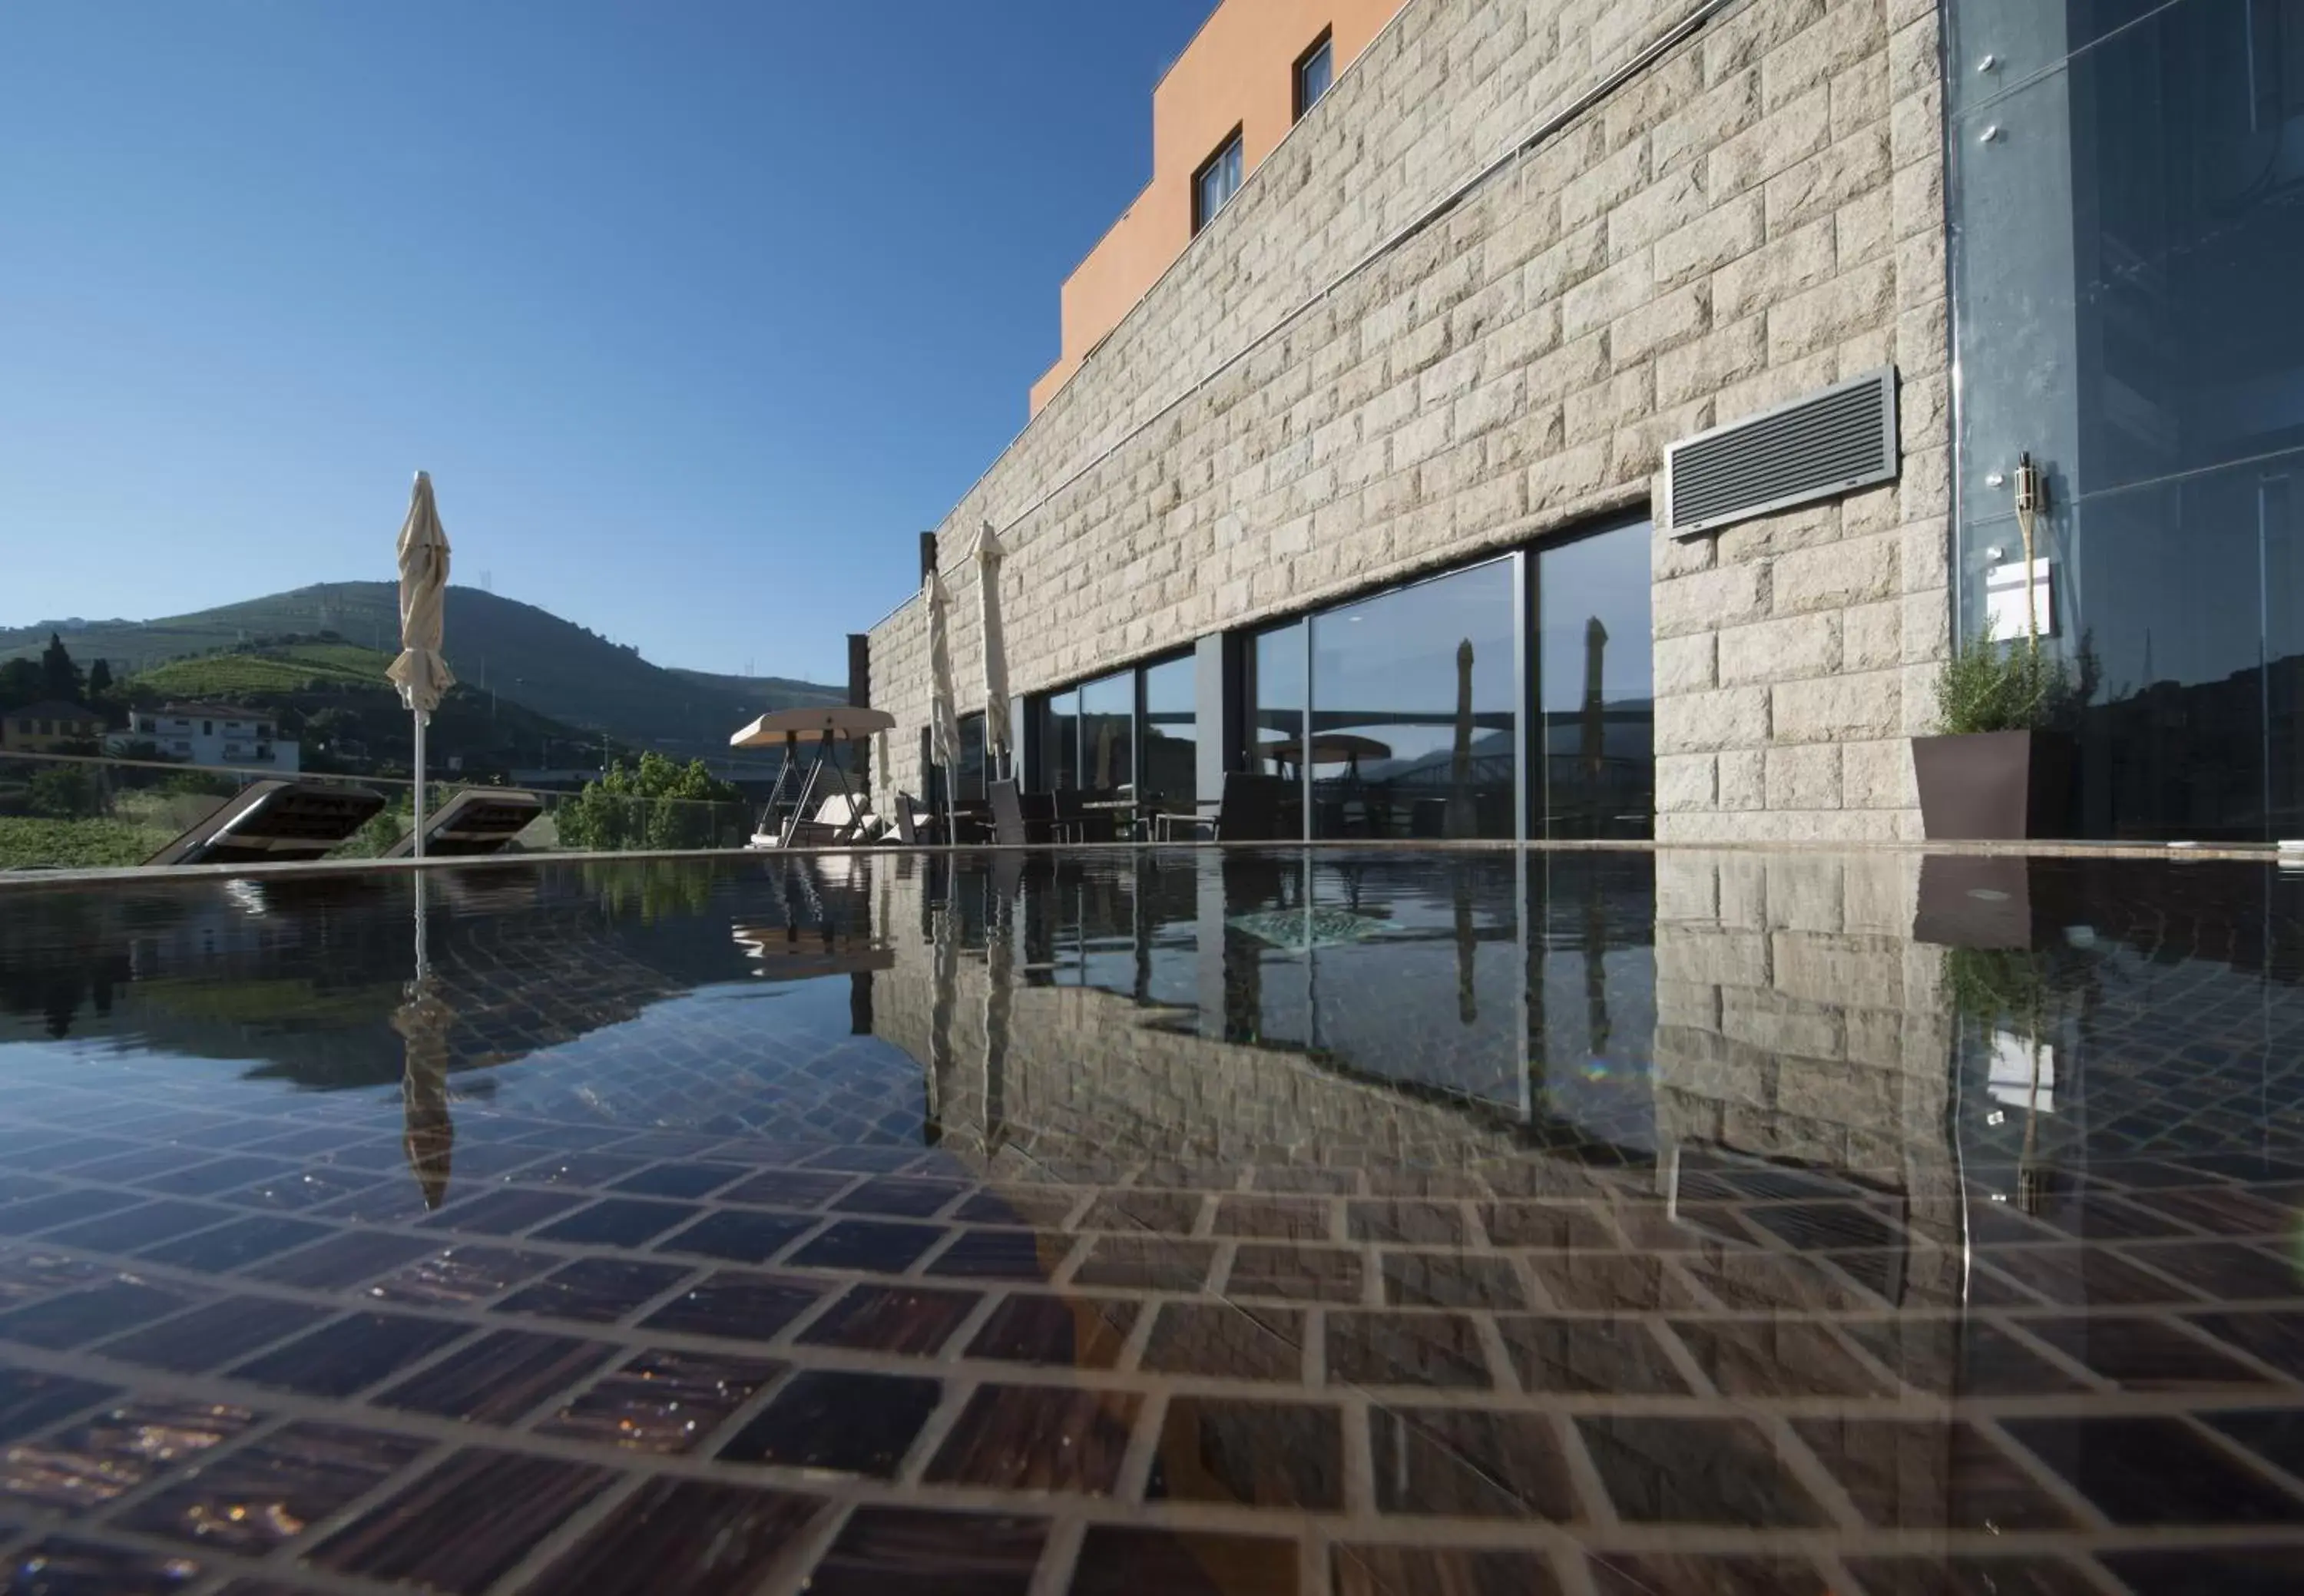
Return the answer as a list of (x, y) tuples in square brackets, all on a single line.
[(1217, 181), (1316, 69)]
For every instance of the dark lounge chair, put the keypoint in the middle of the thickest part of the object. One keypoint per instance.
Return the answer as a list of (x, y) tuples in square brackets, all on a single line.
[(475, 822), (274, 822)]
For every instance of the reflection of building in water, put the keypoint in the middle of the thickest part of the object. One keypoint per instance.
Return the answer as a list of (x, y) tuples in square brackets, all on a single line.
[(1481, 1012)]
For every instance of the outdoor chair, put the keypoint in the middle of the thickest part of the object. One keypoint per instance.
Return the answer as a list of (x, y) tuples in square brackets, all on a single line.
[(1040, 812), (911, 830), (1186, 825), (1251, 809), (1013, 826)]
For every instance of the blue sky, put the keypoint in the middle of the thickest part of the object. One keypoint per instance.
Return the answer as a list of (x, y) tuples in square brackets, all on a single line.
[(698, 313)]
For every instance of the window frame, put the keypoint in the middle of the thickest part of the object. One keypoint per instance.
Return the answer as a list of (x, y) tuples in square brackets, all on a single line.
[(1303, 102), (1232, 146)]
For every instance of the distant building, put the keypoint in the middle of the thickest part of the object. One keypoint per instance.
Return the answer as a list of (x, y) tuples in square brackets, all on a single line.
[(214, 734), (1240, 88), (45, 727)]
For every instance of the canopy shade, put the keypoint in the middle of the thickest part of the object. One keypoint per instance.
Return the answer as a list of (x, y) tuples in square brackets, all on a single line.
[(1328, 748), (816, 723)]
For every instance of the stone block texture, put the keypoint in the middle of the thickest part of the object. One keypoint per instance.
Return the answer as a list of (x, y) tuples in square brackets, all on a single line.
[(1348, 379)]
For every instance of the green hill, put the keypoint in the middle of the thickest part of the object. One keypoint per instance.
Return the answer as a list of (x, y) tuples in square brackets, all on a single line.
[(528, 656), (334, 698)]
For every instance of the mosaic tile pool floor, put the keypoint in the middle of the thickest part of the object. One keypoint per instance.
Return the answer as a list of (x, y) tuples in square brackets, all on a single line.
[(1597, 1226)]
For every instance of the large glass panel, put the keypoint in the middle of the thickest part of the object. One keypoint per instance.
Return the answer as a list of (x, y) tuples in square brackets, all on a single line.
[(1059, 714), (1107, 719), (1276, 694), (1170, 730), (969, 781), (2127, 211), (1595, 686), (1415, 710)]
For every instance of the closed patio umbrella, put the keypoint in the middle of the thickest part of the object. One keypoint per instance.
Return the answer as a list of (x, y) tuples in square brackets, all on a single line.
[(1464, 818), (943, 715), (420, 674), (998, 736)]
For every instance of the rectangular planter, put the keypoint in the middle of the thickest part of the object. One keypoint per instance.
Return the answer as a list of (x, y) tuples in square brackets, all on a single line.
[(1995, 786)]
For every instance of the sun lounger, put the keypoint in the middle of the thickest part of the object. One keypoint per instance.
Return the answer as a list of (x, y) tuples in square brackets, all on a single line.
[(475, 822), (270, 822)]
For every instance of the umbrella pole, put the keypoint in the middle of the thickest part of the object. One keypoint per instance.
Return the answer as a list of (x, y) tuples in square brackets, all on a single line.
[(420, 719)]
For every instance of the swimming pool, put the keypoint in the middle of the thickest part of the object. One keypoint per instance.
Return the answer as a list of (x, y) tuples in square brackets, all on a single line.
[(1157, 1220)]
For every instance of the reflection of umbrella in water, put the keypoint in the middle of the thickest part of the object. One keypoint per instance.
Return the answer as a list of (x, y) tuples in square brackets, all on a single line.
[(429, 1135)]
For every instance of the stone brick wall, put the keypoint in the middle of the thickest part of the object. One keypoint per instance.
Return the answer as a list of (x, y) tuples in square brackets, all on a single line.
[(1754, 215)]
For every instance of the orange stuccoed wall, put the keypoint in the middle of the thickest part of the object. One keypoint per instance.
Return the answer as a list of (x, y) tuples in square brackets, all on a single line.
[(1239, 72)]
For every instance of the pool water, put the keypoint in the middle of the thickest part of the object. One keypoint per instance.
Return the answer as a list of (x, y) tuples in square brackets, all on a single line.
[(1163, 1221)]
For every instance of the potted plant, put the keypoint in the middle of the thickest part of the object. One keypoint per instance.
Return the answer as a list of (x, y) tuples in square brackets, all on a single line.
[(2000, 766)]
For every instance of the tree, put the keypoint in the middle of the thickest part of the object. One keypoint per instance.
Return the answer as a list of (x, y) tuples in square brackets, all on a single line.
[(20, 682), (66, 793), (655, 804), (99, 678), (59, 677)]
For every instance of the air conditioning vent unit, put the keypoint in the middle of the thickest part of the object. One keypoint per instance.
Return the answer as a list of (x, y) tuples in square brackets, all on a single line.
[(1827, 443)]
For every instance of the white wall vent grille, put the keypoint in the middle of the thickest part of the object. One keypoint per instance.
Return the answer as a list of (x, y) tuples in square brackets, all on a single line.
[(1830, 442)]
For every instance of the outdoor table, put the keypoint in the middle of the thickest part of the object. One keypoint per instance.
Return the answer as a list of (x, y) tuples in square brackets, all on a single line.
[(1137, 810)]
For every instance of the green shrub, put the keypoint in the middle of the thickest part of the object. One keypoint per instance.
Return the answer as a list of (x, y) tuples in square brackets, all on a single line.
[(2022, 687), (657, 805), (66, 792)]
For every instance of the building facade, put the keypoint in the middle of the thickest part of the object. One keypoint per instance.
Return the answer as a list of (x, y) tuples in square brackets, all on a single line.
[(49, 727), (216, 735), (1249, 75), (1440, 470)]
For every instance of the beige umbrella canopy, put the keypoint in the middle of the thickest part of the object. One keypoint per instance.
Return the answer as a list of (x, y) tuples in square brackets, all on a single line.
[(999, 737), (1328, 748), (420, 673)]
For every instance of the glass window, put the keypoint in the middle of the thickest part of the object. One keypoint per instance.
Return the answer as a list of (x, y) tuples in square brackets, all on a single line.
[(1217, 182), (2124, 277), (1595, 686), (1107, 722), (968, 781), (1314, 72), (1277, 693), (1059, 714), (1171, 732), (1414, 717)]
